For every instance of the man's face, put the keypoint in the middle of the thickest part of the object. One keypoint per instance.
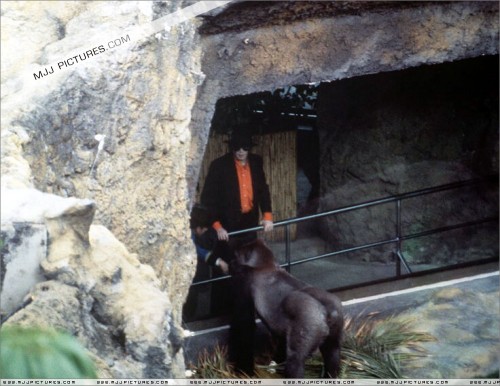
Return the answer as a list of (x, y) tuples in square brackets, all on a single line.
[(241, 153), (200, 230)]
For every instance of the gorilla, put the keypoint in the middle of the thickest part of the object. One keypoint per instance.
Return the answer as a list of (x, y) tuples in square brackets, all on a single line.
[(307, 318)]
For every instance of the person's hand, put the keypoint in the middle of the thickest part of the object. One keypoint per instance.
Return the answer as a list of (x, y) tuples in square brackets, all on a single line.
[(223, 266), (222, 234), (268, 225)]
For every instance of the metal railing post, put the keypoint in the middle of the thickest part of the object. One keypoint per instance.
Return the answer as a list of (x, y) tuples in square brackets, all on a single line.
[(287, 248), (398, 238)]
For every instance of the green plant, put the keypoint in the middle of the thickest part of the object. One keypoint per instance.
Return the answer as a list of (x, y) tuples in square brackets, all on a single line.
[(33, 352), (380, 348)]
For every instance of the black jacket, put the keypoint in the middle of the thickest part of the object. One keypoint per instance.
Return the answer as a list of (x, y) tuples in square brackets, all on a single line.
[(221, 193)]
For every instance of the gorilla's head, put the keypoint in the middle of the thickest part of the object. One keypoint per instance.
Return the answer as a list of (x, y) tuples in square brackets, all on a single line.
[(254, 255)]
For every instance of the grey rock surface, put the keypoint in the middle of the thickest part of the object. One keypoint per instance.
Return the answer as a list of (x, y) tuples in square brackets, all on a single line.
[(463, 317)]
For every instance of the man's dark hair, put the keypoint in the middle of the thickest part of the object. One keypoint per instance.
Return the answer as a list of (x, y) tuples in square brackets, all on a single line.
[(200, 217)]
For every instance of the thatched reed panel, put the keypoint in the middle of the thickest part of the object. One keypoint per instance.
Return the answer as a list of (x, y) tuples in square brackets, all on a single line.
[(278, 151), (216, 147)]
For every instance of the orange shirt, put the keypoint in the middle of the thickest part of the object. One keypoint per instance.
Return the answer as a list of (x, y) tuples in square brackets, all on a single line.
[(246, 191)]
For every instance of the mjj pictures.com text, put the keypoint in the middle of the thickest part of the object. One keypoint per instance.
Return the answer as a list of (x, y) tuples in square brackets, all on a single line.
[(81, 57)]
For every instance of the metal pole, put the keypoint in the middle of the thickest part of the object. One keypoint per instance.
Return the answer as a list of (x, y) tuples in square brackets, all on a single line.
[(401, 261), (287, 247), (398, 237)]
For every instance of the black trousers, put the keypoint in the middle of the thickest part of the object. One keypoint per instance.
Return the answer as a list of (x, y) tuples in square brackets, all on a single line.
[(245, 221), (242, 329)]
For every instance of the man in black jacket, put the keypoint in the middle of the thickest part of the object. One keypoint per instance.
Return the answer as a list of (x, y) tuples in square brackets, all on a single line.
[(236, 189), (236, 192)]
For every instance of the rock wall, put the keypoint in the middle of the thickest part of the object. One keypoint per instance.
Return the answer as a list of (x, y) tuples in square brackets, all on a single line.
[(113, 129), (24, 246), (137, 98), (90, 286), (398, 132)]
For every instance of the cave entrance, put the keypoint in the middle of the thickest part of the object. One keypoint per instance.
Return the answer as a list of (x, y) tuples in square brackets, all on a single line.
[(379, 135)]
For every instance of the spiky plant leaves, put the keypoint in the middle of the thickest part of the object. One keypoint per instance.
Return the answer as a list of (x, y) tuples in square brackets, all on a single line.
[(32, 352), (213, 365), (366, 365), (381, 348), (372, 348)]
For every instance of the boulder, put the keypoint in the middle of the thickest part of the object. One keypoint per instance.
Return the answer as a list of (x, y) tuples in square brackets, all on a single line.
[(87, 283)]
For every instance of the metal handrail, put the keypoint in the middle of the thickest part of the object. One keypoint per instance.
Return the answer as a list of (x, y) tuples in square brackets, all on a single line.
[(399, 237)]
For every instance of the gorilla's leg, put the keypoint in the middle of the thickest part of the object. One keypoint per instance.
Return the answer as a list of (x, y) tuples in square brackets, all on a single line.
[(301, 342), (280, 349), (330, 350), (306, 332), (294, 367)]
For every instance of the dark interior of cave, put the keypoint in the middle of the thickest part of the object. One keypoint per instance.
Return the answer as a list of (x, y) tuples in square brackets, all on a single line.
[(351, 134)]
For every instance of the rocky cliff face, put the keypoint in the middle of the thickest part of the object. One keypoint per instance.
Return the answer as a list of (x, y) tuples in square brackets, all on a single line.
[(399, 132), (112, 128), (138, 100), (93, 288)]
